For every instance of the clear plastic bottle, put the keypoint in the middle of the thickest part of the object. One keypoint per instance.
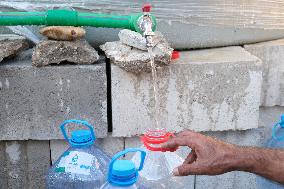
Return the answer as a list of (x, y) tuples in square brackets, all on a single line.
[(160, 162), (123, 174), (83, 165), (276, 141)]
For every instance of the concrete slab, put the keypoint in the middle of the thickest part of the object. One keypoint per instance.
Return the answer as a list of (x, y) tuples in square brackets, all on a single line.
[(109, 144), (11, 45), (55, 52), (35, 101), (214, 89), (232, 180), (272, 55), (135, 60), (24, 164)]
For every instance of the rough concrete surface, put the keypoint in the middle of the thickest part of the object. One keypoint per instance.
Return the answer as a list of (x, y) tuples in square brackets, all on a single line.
[(215, 89), (135, 39), (55, 52), (135, 60), (272, 55), (23, 164), (11, 45), (233, 180), (35, 101), (109, 144)]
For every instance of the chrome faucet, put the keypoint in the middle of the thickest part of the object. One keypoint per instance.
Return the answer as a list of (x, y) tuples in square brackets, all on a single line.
[(145, 23)]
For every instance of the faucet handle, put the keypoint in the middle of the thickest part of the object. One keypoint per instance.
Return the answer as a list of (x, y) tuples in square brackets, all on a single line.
[(146, 8)]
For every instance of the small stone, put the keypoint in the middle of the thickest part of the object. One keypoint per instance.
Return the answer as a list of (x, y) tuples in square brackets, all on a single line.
[(63, 33), (135, 60), (54, 52), (135, 39), (11, 45)]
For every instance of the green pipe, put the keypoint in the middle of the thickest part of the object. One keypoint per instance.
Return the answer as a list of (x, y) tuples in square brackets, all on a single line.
[(73, 18)]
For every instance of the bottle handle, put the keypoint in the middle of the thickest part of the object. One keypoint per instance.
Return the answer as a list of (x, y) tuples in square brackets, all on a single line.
[(122, 153), (79, 122), (275, 127)]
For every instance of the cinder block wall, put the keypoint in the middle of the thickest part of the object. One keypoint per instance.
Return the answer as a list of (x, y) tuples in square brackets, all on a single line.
[(230, 93)]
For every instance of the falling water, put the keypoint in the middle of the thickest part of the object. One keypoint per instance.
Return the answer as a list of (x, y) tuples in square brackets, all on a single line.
[(154, 77)]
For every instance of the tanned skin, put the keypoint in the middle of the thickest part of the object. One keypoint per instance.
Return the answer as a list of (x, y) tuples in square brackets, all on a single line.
[(210, 156)]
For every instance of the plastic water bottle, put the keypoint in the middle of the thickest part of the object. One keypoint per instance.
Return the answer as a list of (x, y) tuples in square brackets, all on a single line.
[(83, 165), (276, 141), (160, 162), (123, 174)]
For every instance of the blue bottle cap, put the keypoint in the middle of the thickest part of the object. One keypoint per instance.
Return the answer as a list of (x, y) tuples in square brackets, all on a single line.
[(79, 138), (281, 123), (275, 129), (124, 172)]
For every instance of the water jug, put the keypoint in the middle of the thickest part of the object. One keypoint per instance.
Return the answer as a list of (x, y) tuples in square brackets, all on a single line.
[(160, 162), (83, 165), (276, 141), (123, 174)]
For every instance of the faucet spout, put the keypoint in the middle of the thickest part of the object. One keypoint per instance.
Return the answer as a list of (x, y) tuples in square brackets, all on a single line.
[(149, 41), (146, 25)]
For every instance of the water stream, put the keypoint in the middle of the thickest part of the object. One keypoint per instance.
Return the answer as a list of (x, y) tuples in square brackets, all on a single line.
[(154, 82)]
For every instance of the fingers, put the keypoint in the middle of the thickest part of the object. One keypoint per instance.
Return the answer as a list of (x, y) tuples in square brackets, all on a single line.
[(190, 158), (187, 169), (176, 142), (182, 170), (185, 138)]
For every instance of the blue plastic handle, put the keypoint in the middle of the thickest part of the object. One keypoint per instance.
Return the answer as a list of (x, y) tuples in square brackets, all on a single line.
[(80, 122), (275, 128), (122, 153)]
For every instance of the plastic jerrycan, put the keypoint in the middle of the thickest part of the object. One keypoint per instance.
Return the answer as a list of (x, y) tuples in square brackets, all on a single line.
[(276, 141), (160, 162), (83, 165), (123, 174)]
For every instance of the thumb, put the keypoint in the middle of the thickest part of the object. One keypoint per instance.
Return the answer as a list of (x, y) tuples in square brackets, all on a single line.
[(186, 169)]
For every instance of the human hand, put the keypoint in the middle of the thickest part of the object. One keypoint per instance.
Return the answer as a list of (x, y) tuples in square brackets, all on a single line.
[(209, 156)]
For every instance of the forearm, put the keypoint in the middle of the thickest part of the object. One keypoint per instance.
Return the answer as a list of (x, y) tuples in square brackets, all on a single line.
[(268, 163)]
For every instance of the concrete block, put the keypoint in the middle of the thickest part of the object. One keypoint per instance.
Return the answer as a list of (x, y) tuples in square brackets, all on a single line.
[(214, 89), (11, 45), (272, 55), (55, 52), (233, 180), (135, 60), (24, 164), (135, 39), (250, 137), (109, 144), (35, 101)]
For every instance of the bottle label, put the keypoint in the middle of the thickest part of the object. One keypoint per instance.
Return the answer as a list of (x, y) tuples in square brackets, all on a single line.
[(76, 162)]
